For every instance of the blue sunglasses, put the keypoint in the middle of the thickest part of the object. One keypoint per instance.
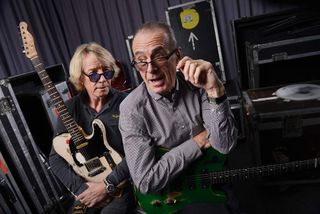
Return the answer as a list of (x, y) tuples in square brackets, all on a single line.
[(94, 76)]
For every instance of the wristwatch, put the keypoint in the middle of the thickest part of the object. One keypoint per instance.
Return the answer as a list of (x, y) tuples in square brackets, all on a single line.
[(217, 100), (110, 187)]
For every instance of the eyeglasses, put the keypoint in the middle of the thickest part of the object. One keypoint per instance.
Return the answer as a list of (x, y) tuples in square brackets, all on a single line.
[(158, 61), (94, 76)]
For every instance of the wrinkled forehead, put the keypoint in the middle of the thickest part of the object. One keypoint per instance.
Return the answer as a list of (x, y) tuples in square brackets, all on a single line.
[(147, 40)]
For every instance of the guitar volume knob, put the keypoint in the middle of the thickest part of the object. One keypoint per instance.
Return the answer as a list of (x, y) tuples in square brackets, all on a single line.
[(156, 203), (171, 201)]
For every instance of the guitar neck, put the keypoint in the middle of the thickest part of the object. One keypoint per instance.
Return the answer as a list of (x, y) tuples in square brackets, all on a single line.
[(57, 100), (260, 171)]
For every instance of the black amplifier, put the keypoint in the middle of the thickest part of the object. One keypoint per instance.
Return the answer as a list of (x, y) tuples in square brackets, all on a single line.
[(283, 62), (277, 48), (283, 122)]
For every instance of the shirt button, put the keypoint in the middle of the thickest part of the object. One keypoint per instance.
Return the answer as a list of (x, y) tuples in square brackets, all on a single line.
[(183, 126)]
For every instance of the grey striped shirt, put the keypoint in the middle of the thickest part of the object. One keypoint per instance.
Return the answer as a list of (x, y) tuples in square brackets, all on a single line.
[(148, 120)]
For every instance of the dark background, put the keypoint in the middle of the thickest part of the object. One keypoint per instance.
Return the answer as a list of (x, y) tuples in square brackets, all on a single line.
[(59, 26)]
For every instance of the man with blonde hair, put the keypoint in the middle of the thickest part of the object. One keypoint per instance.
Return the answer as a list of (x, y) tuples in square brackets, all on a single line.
[(92, 69)]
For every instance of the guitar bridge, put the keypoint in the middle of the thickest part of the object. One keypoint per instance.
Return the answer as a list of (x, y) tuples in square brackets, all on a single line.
[(94, 167)]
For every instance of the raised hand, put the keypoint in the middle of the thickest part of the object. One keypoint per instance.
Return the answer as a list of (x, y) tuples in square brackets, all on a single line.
[(201, 74)]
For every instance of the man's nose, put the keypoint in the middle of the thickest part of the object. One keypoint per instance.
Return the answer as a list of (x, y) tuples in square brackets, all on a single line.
[(151, 67)]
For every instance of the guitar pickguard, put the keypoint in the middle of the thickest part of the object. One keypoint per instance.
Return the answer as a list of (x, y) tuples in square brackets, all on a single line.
[(88, 149)]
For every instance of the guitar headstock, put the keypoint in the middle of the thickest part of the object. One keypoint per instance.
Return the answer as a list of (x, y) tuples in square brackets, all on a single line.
[(27, 41)]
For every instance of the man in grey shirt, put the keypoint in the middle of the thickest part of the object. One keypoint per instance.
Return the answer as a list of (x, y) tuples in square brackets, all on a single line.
[(181, 106)]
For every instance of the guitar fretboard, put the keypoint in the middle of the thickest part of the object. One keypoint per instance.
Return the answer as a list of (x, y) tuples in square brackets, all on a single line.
[(253, 172), (58, 102)]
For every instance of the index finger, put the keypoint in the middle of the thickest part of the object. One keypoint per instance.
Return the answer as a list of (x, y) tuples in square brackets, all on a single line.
[(182, 62), (183, 66)]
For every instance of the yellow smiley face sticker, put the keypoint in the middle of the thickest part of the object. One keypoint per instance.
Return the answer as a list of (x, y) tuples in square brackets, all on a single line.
[(189, 18)]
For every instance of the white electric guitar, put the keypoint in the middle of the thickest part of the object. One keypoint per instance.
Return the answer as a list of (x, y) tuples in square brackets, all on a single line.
[(91, 156)]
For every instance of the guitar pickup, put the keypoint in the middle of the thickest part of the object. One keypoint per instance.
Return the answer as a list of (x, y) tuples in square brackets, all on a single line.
[(94, 167), (96, 171)]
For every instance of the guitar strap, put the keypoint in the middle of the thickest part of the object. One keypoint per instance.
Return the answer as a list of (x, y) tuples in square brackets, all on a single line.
[(109, 159)]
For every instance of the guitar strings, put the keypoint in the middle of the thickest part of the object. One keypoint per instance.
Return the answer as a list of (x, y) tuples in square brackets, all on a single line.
[(246, 173), (76, 135)]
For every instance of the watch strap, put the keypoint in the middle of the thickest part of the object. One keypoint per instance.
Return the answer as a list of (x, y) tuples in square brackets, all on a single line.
[(112, 189)]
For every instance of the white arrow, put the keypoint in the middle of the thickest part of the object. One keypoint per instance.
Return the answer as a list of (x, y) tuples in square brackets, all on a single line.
[(193, 37)]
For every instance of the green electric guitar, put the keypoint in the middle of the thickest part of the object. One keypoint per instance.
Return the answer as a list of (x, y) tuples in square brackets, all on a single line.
[(196, 184)]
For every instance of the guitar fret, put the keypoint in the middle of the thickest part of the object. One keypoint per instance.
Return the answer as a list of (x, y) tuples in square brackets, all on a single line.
[(55, 98), (54, 93), (62, 110), (37, 63), (60, 107), (68, 119), (47, 82)]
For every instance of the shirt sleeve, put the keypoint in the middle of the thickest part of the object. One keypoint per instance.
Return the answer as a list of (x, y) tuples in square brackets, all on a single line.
[(151, 174), (119, 173), (220, 124), (65, 173)]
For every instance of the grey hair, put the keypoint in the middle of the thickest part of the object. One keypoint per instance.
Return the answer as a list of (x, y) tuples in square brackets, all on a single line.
[(154, 25)]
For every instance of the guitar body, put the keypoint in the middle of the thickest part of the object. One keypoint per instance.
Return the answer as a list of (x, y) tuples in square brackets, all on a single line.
[(95, 159), (184, 189), (198, 182)]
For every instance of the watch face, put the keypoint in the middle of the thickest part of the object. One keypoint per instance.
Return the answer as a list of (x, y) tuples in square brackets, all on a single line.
[(110, 188)]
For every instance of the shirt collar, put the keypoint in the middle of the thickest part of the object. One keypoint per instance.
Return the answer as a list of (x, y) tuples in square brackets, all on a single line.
[(84, 97), (157, 97)]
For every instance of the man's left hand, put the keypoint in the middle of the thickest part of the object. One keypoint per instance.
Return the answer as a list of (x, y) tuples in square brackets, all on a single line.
[(95, 195), (201, 74)]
